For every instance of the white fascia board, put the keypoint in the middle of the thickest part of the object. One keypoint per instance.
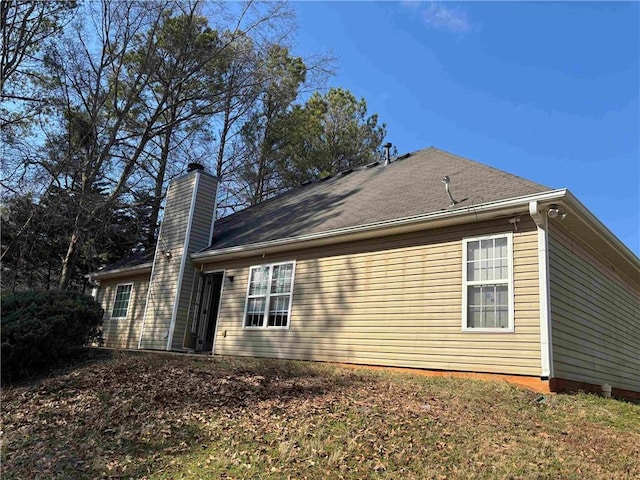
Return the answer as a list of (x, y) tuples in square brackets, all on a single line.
[(120, 272), (439, 219)]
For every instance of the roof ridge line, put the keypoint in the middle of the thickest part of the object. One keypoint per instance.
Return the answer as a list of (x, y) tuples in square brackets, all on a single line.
[(502, 173)]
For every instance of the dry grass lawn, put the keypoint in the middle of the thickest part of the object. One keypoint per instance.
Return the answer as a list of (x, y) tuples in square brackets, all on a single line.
[(158, 416)]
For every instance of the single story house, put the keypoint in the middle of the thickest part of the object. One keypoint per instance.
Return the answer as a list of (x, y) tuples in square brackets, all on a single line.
[(428, 261)]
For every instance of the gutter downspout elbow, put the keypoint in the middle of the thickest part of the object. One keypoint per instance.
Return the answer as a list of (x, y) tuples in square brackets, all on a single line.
[(535, 214)]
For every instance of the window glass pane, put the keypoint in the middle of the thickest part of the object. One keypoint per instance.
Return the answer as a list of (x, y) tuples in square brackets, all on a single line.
[(485, 273), (474, 317), (255, 312), (501, 247), (488, 317), (501, 271), (259, 279), (281, 279), (279, 311), (256, 305), (121, 304), (473, 271), (502, 317), (488, 306), (502, 295), (488, 295), (473, 251), (487, 260), (474, 296), (281, 304), (485, 249), (491, 266)]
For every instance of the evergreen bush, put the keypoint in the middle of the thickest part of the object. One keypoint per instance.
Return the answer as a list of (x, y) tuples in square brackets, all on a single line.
[(40, 328)]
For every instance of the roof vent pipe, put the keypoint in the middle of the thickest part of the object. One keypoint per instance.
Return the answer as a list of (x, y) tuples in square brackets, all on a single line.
[(446, 180), (387, 146)]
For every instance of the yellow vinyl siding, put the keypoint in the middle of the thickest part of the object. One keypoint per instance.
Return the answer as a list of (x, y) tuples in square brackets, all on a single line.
[(390, 301), (595, 318), (199, 239), (164, 289), (164, 278), (183, 306), (160, 301), (203, 213), (123, 332)]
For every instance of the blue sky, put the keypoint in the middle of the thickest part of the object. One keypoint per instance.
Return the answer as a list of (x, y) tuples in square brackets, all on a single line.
[(548, 91)]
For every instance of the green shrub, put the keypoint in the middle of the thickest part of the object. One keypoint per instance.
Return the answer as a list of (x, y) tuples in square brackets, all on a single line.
[(39, 328)]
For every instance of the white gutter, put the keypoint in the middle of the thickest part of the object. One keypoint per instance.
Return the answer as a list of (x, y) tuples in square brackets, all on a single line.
[(183, 261), (438, 219), (546, 344), (142, 268)]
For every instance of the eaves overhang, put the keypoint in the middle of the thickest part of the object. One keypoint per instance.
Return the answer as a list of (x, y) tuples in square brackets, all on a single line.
[(600, 228), (587, 230), (439, 219), (122, 272)]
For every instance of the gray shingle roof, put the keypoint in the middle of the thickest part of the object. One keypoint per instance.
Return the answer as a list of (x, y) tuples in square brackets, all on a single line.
[(134, 260), (408, 186)]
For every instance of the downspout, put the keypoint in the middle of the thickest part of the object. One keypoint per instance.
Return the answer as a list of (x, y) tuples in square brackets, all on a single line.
[(546, 345)]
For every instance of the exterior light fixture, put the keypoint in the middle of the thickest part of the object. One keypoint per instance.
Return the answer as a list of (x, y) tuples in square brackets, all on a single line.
[(167, 254), (554, 212)]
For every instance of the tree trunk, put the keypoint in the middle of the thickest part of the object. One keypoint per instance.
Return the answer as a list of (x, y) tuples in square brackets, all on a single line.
[(226, 126), (69, 261), (157, 191)]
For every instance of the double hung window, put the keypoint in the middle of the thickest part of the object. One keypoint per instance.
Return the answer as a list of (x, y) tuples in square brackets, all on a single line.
[(488, 283), (121, 302), (269, 295)]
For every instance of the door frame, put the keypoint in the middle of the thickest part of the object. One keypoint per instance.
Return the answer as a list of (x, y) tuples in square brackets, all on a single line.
[(224, 278), (195, 307)]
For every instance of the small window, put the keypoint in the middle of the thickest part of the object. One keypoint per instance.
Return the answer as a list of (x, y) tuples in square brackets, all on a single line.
[(269, 296), (121, 303), (488, 283)]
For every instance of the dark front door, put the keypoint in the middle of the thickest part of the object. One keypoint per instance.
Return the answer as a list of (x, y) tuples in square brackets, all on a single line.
[(209, 313)]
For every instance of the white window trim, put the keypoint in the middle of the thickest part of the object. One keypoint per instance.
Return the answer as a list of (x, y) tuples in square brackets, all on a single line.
[(115, 296), (465, 284), (268, 299)]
